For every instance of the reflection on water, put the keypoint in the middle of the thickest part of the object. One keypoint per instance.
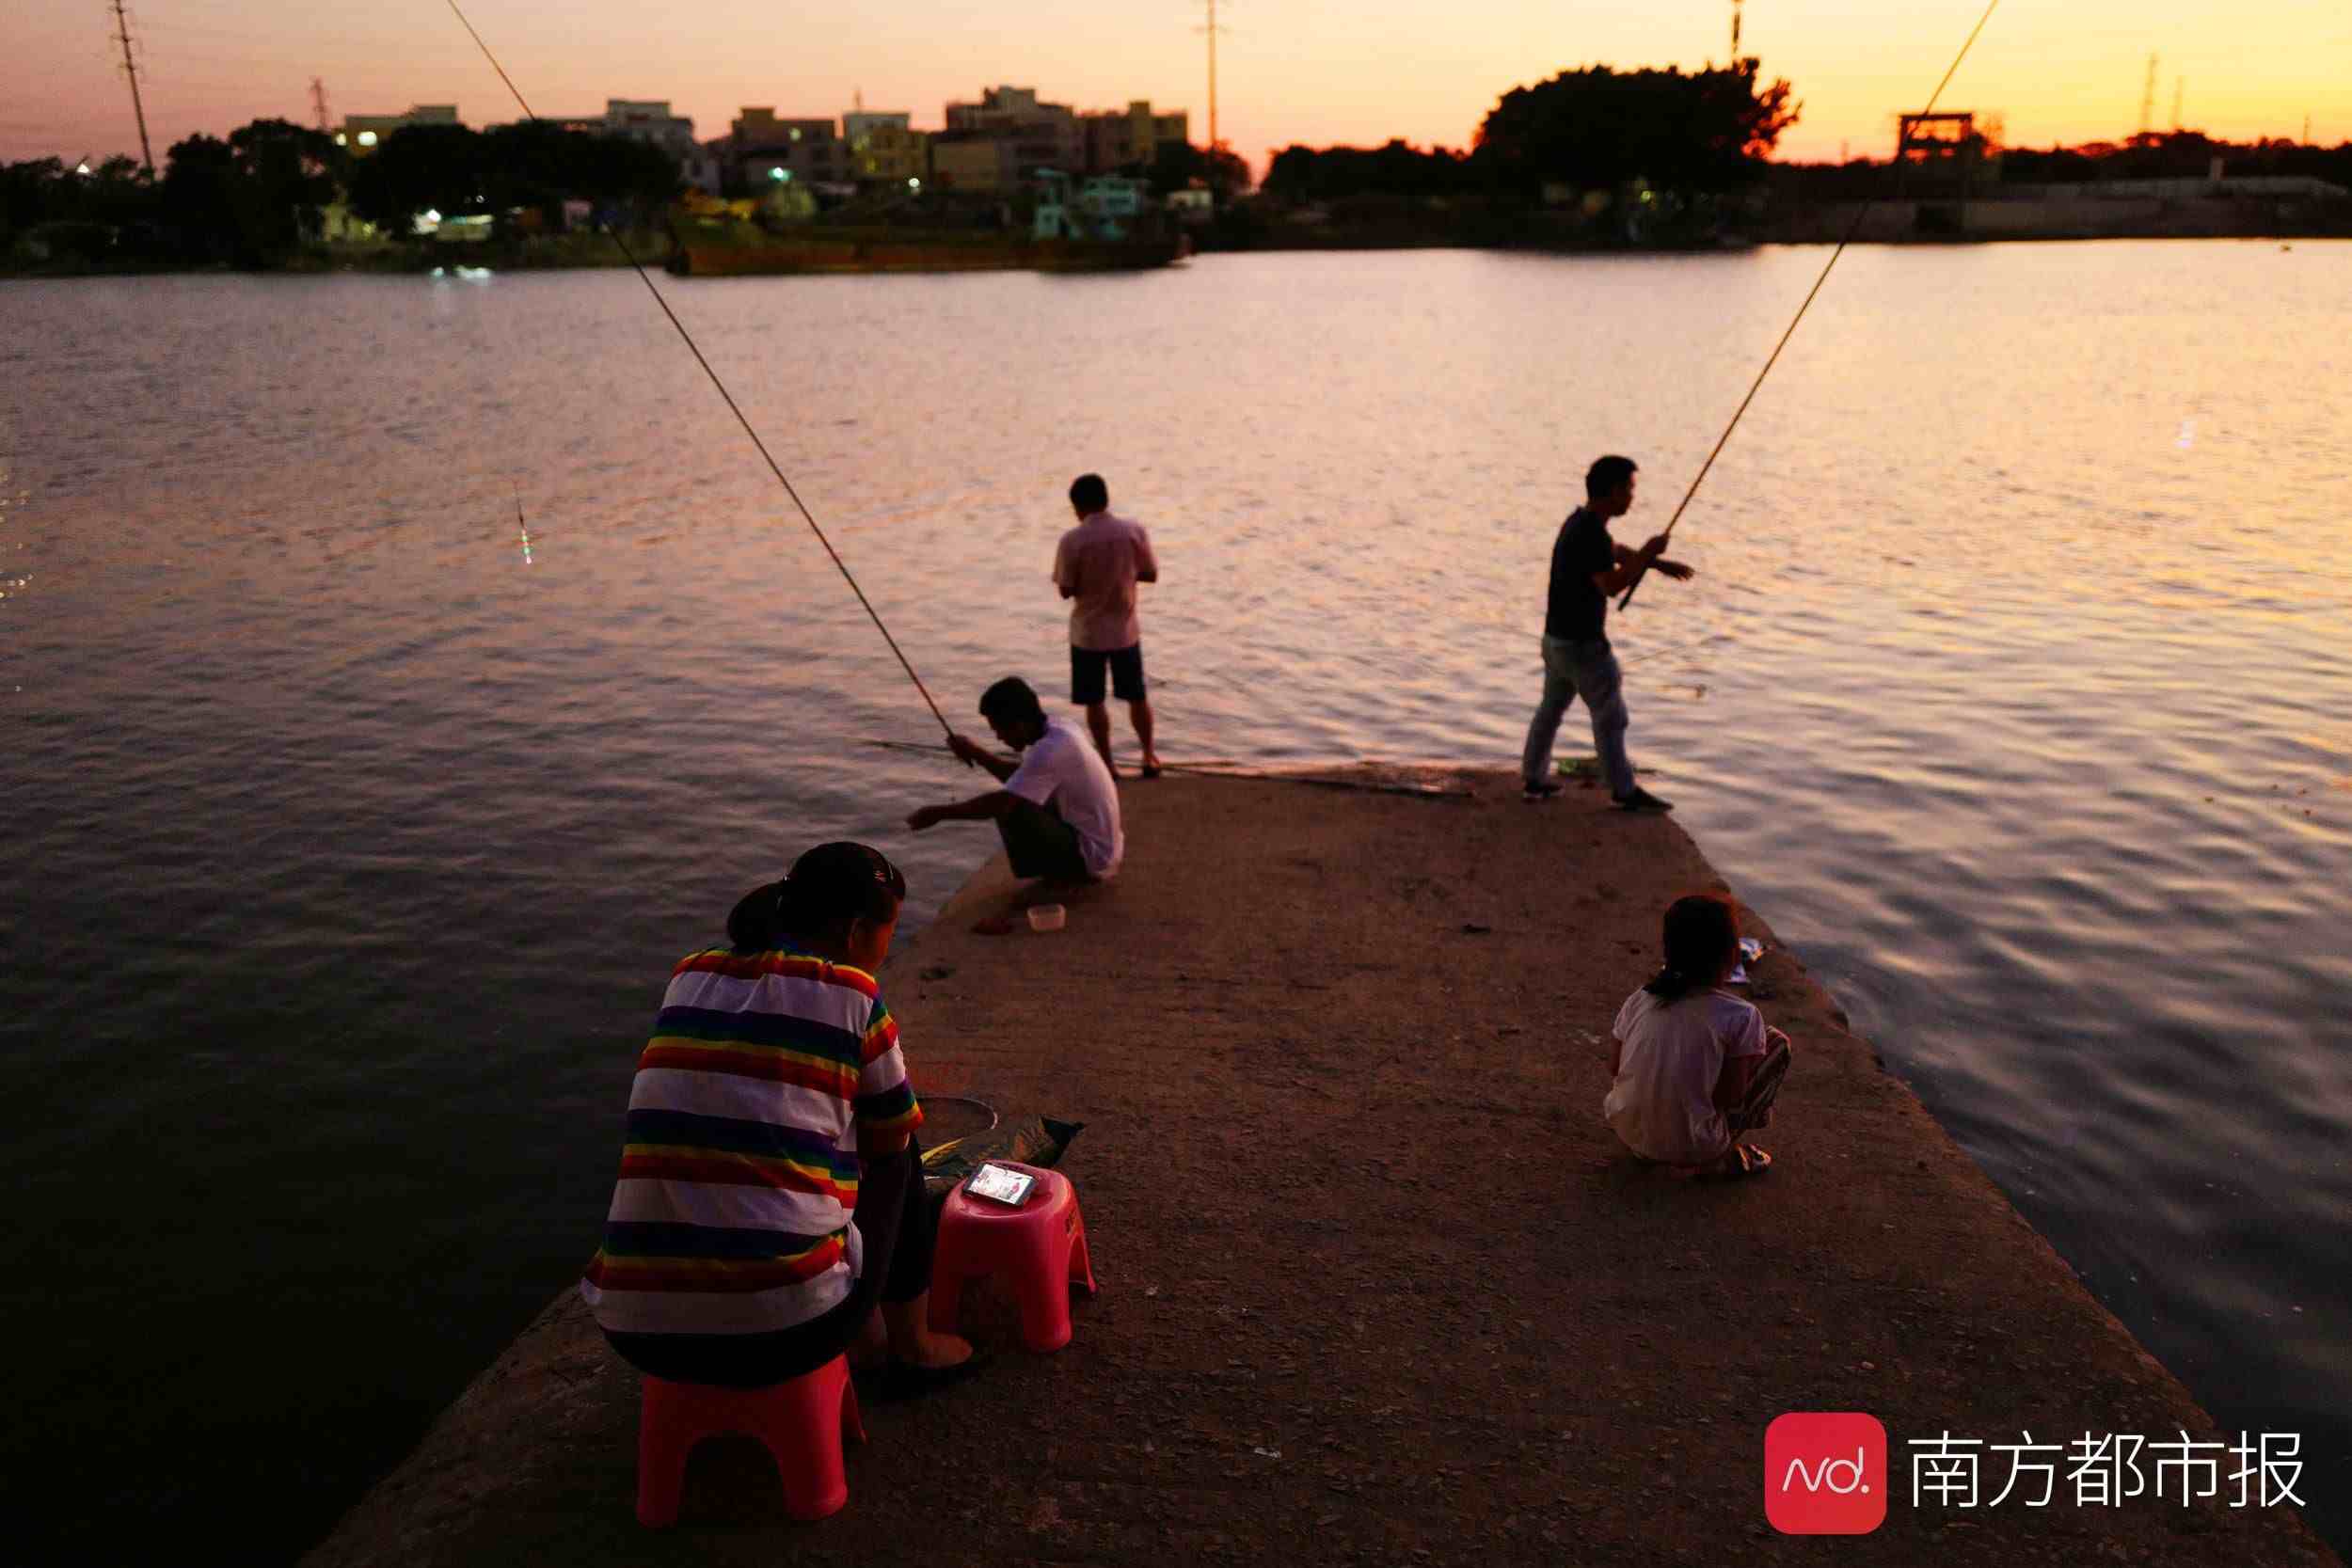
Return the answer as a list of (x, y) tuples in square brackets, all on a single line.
[(381, 658)]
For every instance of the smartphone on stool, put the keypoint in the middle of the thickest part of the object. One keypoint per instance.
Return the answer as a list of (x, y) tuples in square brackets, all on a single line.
[(1000, 1184)]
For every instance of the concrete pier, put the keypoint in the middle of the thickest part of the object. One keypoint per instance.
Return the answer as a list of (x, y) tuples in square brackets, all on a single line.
[(1377, 1283)]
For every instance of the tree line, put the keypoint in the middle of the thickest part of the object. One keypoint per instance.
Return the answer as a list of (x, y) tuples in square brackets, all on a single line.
[(1700, 133), (259, 196)]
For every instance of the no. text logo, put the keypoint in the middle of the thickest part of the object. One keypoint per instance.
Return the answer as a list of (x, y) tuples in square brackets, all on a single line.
[(1825, 1473)]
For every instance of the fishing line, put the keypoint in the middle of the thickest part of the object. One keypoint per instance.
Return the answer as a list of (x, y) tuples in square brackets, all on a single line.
[(732, 406), (1249, 775), (1902, 178)]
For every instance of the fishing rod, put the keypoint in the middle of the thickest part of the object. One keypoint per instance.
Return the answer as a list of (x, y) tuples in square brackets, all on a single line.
[(1902, 178), (732, 406)]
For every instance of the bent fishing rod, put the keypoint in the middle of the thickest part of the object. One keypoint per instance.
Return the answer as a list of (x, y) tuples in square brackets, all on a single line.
[(732, 406), (1902, 178)]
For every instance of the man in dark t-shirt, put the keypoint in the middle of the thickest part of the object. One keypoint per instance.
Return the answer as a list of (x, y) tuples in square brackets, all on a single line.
[(1587, 568)]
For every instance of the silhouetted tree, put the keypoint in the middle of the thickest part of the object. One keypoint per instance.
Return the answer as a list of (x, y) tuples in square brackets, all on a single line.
[(1703, 132), (452, 169), (199, 198), (251, 199), (418, 169), (1177, 165), (632, 180), (286, 173), (1302, 174)]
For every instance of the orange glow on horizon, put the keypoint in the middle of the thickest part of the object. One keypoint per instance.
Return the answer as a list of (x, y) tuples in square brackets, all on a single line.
[(1289, 70)]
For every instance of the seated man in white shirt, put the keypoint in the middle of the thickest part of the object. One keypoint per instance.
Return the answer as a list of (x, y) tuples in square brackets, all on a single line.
[(1058, 810)]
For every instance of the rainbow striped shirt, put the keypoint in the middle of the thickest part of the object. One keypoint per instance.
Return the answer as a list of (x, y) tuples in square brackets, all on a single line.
[(740, 1168)]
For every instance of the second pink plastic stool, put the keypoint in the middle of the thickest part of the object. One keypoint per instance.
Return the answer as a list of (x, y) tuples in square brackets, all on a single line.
[(1038, 1251), (800, 1423)]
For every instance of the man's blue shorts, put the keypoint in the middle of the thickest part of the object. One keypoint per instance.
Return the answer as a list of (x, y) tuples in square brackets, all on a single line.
[(1086, 674)]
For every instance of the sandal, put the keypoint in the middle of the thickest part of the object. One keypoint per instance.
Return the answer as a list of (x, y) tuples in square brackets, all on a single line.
[(900, 1380), (1741, 1159)]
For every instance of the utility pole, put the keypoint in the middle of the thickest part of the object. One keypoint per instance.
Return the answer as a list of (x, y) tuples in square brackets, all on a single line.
[(130, 69), (1213, 143), (1735, 32), (2307, 128), (2148, 100), (318, 101), (1211, 30), (2180, 86)]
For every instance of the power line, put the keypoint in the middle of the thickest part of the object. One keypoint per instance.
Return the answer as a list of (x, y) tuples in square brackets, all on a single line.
[(130, 69)]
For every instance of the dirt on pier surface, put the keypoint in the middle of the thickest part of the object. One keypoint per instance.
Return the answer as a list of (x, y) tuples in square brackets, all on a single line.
[(1378, 1284)]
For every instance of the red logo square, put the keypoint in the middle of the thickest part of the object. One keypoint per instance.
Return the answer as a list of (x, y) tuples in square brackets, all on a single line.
[(1825, 1473)]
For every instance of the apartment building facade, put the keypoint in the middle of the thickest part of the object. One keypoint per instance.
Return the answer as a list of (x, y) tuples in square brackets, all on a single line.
[(360, 133), (885, 148), (763, 149), (1119, 138)]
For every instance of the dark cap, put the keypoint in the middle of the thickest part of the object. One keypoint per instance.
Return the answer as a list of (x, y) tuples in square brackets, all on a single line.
[(833, 882), (840, 877)]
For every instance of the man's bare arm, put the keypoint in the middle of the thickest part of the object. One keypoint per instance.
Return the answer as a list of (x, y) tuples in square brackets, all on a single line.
[(980, 757), (980, 808), (1632, 564)]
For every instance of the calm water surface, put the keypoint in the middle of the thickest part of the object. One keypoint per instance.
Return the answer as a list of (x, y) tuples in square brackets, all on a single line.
[(346, 847)]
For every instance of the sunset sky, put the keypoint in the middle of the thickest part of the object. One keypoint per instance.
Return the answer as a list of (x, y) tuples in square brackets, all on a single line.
[(1316, 71)]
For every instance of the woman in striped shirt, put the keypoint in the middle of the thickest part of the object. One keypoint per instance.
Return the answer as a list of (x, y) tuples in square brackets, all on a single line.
[(771, 1196)]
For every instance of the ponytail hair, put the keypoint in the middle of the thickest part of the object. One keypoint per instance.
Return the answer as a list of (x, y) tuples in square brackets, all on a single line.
[(756, 923), (827, 888), (1702, 935)]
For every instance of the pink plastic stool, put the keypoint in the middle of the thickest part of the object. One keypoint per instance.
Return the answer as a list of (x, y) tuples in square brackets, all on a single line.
[(1040, 1249), (800, 1423)]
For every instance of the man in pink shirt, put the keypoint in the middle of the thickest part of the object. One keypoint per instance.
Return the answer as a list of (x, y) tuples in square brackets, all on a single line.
[(1097, 568)]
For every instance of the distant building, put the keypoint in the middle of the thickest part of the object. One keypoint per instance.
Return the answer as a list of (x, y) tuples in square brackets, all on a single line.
[(704, 169), (885, 148), (975, 163), (340, 225), (361, 132), (1119, 138), (1041, 136), (1105, 207), (860, 123), (639, 119), (764, 149), (1193, 205)]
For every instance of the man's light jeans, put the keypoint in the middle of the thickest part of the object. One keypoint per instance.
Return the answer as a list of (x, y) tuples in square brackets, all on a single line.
[(1586, 669)]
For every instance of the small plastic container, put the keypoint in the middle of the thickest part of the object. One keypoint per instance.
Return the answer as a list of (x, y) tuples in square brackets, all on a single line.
[(1046, 917)]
